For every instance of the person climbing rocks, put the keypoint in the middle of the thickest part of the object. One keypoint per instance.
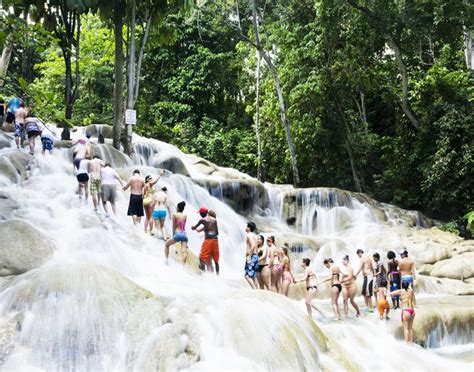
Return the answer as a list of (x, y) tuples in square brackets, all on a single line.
[(407, 268), (33, 130), (135, 205), (82, 176), (20, 115), (108, 180), (179, 233), (210, 245), (263, 271), (287, 275), (367, 272), (94, 168), (161, 209), (148, 202), (276, 269), (81, 149), (251, 257)]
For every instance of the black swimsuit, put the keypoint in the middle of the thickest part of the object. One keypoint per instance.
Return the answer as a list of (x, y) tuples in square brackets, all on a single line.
[(315, 287), (337, 285)]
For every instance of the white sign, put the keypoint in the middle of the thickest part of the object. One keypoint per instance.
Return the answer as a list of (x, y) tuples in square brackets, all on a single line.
[(130, 117)]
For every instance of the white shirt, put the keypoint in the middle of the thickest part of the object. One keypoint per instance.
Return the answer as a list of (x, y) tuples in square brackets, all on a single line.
[(108, 176), (83, 166)]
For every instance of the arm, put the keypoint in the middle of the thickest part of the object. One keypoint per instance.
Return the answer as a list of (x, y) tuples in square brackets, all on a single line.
[(306, 273), (361, 265), (200, 222), (117, 177), (413, 273), (158, 178), (395, 293), (199, 229), (127, 185)]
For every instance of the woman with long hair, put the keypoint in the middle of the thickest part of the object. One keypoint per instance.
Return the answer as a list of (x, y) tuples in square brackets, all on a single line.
[(287, 276), (336, 286), (263, 271), (311, 286), (407, 297), (148, 202), (179, 233), (276, 255)]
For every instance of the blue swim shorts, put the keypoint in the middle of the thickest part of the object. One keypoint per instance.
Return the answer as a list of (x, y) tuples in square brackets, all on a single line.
[(159, 214), (180, 237)]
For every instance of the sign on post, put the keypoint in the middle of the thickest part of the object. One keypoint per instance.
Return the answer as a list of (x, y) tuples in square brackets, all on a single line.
[(130, 117)]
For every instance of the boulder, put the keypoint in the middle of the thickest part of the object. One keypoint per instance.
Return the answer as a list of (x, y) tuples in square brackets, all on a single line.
[(110, 155), (8, 127), (7, 205), (20, 161), (7, 169), (458, 267), (23, 247), (97, 130), (192, 262), (9, 330), (171, 162), (433, 285), (5, 140)]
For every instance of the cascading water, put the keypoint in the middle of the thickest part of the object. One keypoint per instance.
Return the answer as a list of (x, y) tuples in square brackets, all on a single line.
[(106, 300)]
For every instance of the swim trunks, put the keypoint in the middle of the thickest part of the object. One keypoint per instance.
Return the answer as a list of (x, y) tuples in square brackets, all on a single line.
[(95, 184), (408, 279), (180, 237), (109, 193), (209, 249), (135, 206), (82, 177), (159, 214), (20, 130), (367, 287), (47, 144), (382, 305), (32, 129), (251, 266)]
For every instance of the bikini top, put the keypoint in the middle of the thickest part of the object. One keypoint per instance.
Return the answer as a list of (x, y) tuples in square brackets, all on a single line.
[(149, 192), (181, 224)]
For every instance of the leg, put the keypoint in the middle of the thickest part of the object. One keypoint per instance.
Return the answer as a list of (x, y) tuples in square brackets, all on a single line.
[(335, 305), (104, 205), (217, 267), (285, 287), (345, 297), (167, 248), (250, 281), (406, 324), (259, 280), (184, 252), (135, 220), (114, 208), (352, 293), (308, 298), (273, 278), (202, 264), (410, 327), (266, 277), (86, 191), (31, 144)]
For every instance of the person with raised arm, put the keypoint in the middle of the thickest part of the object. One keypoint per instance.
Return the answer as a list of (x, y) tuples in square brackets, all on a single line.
[(276, 255), (149, 202)]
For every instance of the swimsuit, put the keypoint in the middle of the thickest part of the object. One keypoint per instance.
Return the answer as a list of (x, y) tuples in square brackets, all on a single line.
[(408, 279), (338, 286), (367, 287), (210, 248), (277, 268), (394, 278), (410, 311), (180, 236), (287, 276), (260, 267), (251, 266), (308, 288), (20, 130), (47, 143), (82, 177), (135, 206), (95, 184), (32, 129), (382, 305), (159, 214), (109, 193), (147, 200)]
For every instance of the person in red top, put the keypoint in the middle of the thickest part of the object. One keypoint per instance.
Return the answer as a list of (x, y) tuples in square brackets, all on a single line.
[(210, 245)]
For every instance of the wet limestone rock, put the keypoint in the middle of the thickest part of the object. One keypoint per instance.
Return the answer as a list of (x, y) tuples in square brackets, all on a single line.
[(170, 162), (110, 155), (7, 169), (7, 205), (9, 329), (23, 247), (5, 140), (192, 262), (103, 130), (458, 267)]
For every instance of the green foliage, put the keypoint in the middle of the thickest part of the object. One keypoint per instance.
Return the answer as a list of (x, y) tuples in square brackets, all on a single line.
[(470, 222), (450, 227)]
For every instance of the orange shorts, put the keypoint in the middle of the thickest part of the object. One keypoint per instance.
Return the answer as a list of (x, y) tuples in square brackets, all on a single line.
[(210, 248), (382, 306)]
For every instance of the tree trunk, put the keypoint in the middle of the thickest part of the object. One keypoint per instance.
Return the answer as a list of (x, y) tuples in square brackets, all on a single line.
[(257, 123), (5, 61), (284, 120), (118, 87), (130, 78), (406, 107)]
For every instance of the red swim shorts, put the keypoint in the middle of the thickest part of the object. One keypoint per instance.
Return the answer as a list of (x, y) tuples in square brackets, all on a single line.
[(210, 248)]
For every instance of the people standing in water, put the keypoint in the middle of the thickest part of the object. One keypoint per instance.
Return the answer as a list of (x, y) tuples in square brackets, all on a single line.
[(108, 177), (135, 206), (82, 148), (408, 300), (336, 287), (311, 286), (94, 169), (179, 233), (251, 257), (263, 271), (82, 176), (20, 115), (148, 202), (33, 130), (276, 269), (407, 268), (47, 141), (382, 303), (368, 272), (380, 273), (350, 287), (394, 277), (210, 245), (287, 276), (160, 207)]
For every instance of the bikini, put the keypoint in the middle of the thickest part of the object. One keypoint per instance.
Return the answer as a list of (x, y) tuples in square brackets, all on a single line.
[(410, 310), (180, 236), (337, 285), (313, 286)]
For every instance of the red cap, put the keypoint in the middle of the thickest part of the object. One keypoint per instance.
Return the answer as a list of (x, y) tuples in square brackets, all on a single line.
[(202, 210)]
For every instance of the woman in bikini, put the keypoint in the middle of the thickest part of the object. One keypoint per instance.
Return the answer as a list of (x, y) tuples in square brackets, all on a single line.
[(350, 287), (311, 286), (148, 202), (179, 233), (263, 271), (407, 297), (287, 276), (336, 286), (276, 255)]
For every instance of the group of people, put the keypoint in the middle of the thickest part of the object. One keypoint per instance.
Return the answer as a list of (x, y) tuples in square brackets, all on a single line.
[(26, 126), (268, 267)]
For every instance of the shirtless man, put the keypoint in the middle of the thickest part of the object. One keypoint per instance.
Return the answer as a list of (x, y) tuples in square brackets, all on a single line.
[(210, 245), (94, 168), (135, 206), (368, 272), (161, 206), (407, 269), (251, 257), (20, 116)]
